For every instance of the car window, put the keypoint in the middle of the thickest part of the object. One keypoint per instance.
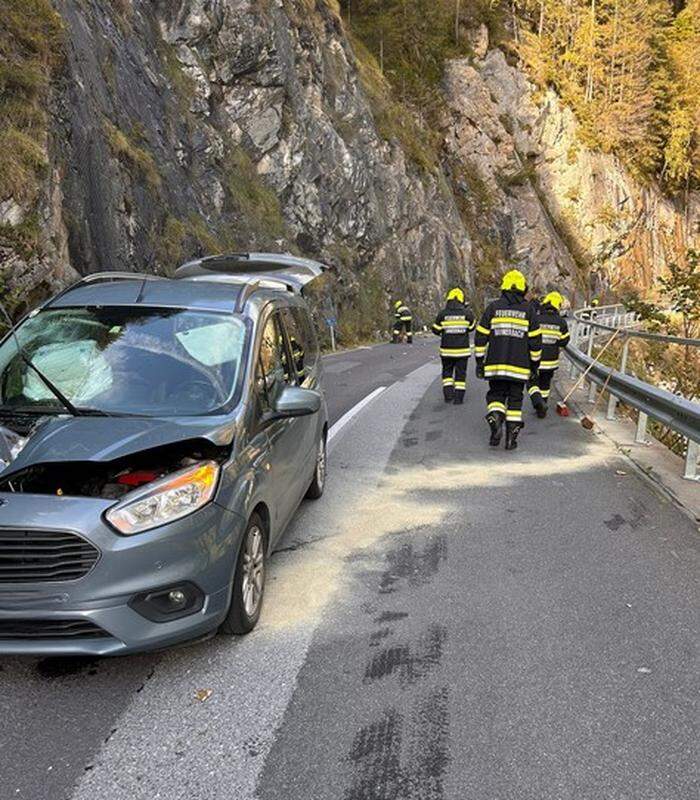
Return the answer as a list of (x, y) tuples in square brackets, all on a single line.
[(137, 360), (297, 342), (311, 342), (272, 371)]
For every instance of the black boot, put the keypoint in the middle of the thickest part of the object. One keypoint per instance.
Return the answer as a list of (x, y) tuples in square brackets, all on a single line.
[(459, 398), (541, 408), (495, 422), (512, 431), (448, 393)]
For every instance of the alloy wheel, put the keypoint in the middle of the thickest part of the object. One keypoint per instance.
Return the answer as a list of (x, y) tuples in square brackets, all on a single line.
[(321, 463), (253, 570)]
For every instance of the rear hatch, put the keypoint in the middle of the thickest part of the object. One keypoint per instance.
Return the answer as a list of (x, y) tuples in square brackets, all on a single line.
[(275, 269)]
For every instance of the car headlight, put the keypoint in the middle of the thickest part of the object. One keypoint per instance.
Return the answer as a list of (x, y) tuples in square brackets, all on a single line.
[(165, 500)]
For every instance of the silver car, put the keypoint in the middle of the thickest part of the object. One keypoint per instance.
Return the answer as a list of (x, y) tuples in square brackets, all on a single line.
[(156, 436)]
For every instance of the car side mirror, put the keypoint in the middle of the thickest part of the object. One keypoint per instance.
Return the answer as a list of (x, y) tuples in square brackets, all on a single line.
[(294, 401)]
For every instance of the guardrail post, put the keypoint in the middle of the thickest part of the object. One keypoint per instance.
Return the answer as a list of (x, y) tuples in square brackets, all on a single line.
[(589, 353), (640, 436), (591, 383), (691, 461), (612, 400), (575, 330)]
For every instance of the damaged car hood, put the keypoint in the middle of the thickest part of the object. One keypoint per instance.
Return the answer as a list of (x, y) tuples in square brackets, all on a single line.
[(108, 438)]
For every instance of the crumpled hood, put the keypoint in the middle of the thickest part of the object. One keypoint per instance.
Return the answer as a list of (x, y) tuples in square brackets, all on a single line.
[(108, 438)]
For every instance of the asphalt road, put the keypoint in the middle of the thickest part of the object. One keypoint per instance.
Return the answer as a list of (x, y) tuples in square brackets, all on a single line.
[(450, 622)]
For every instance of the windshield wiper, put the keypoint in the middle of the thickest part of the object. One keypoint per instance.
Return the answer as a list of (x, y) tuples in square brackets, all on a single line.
[(57, 393), (52, 411)]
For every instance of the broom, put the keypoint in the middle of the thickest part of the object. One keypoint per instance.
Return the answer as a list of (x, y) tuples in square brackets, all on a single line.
[(588, 422), (562, 408)]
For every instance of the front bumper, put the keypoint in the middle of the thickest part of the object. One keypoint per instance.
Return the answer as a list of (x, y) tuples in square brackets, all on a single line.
[(201, 549)]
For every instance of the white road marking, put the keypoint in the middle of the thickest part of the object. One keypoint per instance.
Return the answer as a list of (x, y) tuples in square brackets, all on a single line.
[(343, 421)]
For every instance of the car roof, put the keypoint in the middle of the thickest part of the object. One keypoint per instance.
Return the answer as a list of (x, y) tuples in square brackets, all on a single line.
[(147, 291), (223, 283)]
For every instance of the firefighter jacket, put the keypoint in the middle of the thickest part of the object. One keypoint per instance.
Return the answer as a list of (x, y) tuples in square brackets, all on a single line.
[(403, 314), (555, 336), (453, 324), (508, 338)]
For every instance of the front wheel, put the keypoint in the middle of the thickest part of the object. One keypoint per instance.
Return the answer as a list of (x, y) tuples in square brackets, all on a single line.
[(248, 582), (318, 483)]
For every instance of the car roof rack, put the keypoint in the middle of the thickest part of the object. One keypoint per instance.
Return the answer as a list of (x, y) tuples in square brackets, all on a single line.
[(103, 277)]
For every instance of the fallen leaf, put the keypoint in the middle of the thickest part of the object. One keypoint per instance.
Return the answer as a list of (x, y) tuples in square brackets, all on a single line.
[(203, 694)]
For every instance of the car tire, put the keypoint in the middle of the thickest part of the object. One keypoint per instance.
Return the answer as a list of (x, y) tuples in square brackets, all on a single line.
[(318, 484), (248, 581)]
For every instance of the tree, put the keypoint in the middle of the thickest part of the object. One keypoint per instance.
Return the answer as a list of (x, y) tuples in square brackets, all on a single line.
[(681, 288), (682, 147)]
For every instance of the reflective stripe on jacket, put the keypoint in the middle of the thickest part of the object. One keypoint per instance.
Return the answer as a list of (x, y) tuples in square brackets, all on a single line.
[(453, 325), (508, 338), (403, 314), (555, 336)]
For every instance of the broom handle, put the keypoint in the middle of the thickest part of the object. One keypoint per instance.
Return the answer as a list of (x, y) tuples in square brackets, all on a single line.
[(602, 392), (591, 365)]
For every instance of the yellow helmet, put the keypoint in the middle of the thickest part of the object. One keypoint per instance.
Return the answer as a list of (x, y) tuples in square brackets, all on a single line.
[(514, 279), (553, 299), (456, 294), (398, 303)]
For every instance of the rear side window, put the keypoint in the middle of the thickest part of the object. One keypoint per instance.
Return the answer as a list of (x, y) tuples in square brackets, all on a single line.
[(272, 371), (302, 340)]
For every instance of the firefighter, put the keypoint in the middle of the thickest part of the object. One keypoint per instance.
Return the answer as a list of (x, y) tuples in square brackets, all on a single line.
[(403, 321), (453, 325), (555, 337), (508, 350)]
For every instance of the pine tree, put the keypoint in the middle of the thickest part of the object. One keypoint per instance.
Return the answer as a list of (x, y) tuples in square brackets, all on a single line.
[(682, 149)]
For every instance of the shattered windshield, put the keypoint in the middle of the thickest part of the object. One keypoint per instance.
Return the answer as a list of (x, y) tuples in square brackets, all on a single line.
[(151, 361)]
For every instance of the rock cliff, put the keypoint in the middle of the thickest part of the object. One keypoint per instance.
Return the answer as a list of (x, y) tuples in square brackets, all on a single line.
[(561, 208), (182, 127)]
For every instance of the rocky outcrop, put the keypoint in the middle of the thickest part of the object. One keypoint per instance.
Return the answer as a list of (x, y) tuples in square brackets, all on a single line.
[(565, 212), (193, 126)]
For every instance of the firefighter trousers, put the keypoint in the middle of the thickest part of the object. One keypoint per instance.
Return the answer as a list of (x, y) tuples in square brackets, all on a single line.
[(506, 397), (399, 327), (454, 378), (539, 392)]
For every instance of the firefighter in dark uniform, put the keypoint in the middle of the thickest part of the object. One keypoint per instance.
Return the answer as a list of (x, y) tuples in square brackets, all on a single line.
[(508, 349), (453, 325), (555, 337), (403, 321)]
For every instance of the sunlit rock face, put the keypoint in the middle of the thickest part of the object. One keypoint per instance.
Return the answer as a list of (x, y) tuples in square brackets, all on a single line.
[(551, 195)]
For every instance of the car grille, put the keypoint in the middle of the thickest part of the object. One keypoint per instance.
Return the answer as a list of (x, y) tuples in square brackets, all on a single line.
[(28, 556), (50, 629)]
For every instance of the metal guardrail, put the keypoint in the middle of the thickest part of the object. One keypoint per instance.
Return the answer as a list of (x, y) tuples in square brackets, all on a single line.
[(675, 412)]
